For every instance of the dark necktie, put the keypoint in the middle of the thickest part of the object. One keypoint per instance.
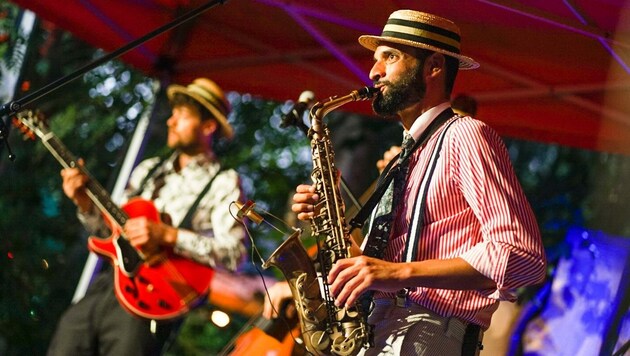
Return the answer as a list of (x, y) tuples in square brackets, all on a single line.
[(401, 173), (382, 224)]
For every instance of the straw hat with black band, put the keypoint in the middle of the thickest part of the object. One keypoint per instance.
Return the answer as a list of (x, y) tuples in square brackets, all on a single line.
[(208, 94), (421, 30)]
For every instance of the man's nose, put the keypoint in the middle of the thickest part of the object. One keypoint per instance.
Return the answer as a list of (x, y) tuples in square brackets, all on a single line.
[(377, 72)]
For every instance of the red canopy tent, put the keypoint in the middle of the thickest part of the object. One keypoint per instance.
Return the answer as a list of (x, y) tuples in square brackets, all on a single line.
[(552, 71)]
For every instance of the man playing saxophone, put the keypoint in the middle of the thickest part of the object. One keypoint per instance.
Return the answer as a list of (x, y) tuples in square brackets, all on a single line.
[(461, 236)]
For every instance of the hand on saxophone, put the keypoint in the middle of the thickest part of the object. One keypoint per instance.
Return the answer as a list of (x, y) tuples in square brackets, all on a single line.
[(351, 277), (304, 201), (304, 205), (306, 198)]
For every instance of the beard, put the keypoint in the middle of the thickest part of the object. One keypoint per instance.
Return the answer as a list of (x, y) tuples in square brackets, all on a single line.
[(409, 89), (175, 142)]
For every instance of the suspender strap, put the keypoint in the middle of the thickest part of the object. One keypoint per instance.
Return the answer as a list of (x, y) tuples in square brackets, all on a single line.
[(386, 177), (148, 176), (187, 220), (417, 217)]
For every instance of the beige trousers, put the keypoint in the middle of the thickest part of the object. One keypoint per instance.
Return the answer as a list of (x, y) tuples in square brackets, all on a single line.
[(413, 330)]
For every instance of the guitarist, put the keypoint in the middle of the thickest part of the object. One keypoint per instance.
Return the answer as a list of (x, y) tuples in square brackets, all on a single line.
[(193, 190)]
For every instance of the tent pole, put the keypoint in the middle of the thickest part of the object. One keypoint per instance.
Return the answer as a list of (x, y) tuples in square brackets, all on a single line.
[(11, 77), (573, 7), (588, 31), (532, 84), (330, 45)]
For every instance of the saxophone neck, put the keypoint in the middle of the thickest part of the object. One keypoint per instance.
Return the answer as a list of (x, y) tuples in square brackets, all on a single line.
[(321, 109)]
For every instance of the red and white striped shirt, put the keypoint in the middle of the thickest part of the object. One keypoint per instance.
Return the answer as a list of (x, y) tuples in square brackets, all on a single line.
[(475, 210)]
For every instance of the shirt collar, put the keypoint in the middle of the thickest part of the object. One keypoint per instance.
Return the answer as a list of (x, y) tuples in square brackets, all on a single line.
[(423, 121), (199, 160)]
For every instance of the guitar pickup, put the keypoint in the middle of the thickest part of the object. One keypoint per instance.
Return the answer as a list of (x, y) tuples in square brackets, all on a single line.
[(163, 304)]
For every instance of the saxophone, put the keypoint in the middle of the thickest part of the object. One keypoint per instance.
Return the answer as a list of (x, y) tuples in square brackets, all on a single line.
[(326, 328)]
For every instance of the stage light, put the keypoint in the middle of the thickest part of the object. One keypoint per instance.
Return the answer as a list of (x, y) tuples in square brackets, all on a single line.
[(219, 318)]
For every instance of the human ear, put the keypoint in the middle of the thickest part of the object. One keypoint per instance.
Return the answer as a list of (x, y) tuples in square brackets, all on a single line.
[(435, 63), (209, 127)]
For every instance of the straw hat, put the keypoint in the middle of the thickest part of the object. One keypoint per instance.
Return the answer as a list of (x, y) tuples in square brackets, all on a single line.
[(208, 94), (422, 30)]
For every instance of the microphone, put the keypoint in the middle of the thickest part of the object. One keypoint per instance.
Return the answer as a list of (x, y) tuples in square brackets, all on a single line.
[(247, 210), (294, 116)]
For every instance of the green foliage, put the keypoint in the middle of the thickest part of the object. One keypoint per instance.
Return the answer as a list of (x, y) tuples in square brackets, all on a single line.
[(198, 336)]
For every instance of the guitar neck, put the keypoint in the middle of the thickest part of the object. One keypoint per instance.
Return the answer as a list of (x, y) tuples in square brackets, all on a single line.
[(99, 196)]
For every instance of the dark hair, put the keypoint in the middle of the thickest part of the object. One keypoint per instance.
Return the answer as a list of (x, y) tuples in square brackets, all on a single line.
[(180, 99), (451, 66)]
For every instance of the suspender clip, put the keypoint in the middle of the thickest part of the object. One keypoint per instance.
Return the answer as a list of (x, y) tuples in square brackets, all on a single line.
[(401, 298)]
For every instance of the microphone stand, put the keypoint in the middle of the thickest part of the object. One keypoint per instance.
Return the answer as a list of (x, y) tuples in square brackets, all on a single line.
[(291, 120), (12, 107), (4, 135)]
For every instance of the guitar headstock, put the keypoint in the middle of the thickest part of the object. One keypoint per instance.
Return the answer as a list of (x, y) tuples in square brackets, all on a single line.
[(31, 123)]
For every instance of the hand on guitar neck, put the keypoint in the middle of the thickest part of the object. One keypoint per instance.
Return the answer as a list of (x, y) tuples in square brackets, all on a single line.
[(74, 187)]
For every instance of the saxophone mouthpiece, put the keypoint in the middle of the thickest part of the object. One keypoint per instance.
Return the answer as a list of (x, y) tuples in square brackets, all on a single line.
[(367, 92), (247, 210)]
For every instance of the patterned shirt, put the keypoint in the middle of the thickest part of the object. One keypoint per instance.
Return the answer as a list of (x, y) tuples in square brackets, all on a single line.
[(475, 210), (216, 239)]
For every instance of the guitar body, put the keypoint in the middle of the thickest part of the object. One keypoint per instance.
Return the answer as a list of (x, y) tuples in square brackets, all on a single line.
[(164, 288)]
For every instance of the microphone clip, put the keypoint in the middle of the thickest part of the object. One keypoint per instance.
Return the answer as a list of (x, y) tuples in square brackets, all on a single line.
[(295, 116)]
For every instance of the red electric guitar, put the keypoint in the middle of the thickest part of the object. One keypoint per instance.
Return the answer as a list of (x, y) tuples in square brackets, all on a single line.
[(158, 287)]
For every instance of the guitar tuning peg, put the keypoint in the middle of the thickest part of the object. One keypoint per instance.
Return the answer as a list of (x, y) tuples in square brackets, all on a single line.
[(26, 132)]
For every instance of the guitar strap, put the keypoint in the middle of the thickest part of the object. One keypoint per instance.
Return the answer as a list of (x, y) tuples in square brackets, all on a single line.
[(148, 176), (186, 223)]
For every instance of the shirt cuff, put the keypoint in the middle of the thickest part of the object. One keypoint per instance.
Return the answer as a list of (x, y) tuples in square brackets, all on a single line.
[(91, 219), (491, 260), (185, 239)]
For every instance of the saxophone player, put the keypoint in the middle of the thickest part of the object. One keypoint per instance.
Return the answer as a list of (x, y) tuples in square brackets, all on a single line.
[(462, 236)]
